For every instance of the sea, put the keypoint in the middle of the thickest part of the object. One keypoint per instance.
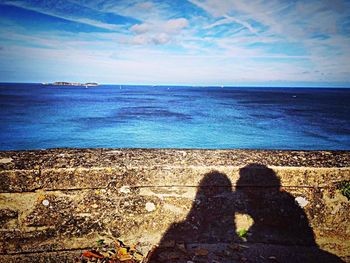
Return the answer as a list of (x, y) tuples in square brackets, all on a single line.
[(36, 116)]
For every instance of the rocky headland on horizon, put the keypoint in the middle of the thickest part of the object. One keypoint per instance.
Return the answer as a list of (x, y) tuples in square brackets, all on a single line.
[(63, 83)]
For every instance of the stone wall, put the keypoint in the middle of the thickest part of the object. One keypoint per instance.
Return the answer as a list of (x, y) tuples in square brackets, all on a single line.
[(55, 203)]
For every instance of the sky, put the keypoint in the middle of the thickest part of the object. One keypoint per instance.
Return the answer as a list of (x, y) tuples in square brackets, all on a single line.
[(193, 42)]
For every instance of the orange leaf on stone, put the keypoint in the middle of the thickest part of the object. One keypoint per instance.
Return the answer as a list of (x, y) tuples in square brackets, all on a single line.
[(90, 254), (201, 252)]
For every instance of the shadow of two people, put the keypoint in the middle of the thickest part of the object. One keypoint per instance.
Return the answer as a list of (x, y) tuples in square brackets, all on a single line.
[(280, 231)]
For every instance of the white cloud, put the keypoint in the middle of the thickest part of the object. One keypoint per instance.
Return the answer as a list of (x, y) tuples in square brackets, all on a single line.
[(161, 39), (141, 28), (157, 32), (156, 39), (138, 40), (169, 26), (175, 25)]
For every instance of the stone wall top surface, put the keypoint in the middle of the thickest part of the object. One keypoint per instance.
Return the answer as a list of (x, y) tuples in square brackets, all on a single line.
[(71, 158)]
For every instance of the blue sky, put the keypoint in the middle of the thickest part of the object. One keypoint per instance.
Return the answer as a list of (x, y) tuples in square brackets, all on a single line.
[(194, 42)]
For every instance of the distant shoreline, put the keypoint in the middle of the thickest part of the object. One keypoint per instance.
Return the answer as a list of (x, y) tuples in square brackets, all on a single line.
[(63, 83)]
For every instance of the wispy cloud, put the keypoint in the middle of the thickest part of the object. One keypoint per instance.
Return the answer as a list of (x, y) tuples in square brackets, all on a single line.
[(229, 20), (73, 12)]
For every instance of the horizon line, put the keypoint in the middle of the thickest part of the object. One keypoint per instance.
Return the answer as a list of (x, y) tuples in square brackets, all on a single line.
[(241, 85)]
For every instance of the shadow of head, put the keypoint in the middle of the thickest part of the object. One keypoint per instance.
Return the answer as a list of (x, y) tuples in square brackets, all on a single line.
[(213, 184), (258, 175), (212, 201)]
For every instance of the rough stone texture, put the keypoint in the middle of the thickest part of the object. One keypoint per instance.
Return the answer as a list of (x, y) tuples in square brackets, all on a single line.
[(64, 158), (53, 203)]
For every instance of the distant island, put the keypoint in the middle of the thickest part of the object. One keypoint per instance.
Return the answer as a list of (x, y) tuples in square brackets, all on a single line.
[(62, 83)]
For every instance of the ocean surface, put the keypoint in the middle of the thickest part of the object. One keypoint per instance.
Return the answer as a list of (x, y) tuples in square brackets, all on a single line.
[(34, 116)]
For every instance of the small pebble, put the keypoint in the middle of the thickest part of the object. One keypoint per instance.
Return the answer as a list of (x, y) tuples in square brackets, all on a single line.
[(302, 202), (5, 160), (125, 189), (150, 206)]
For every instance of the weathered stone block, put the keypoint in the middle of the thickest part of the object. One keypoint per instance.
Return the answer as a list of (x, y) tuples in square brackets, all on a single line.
[(19, 180)]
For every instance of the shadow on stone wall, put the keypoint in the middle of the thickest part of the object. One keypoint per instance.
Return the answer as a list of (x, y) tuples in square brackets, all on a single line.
[(280, 231)]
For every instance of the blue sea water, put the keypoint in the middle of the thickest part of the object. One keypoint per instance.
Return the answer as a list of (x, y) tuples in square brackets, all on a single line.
[(34, 116)]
